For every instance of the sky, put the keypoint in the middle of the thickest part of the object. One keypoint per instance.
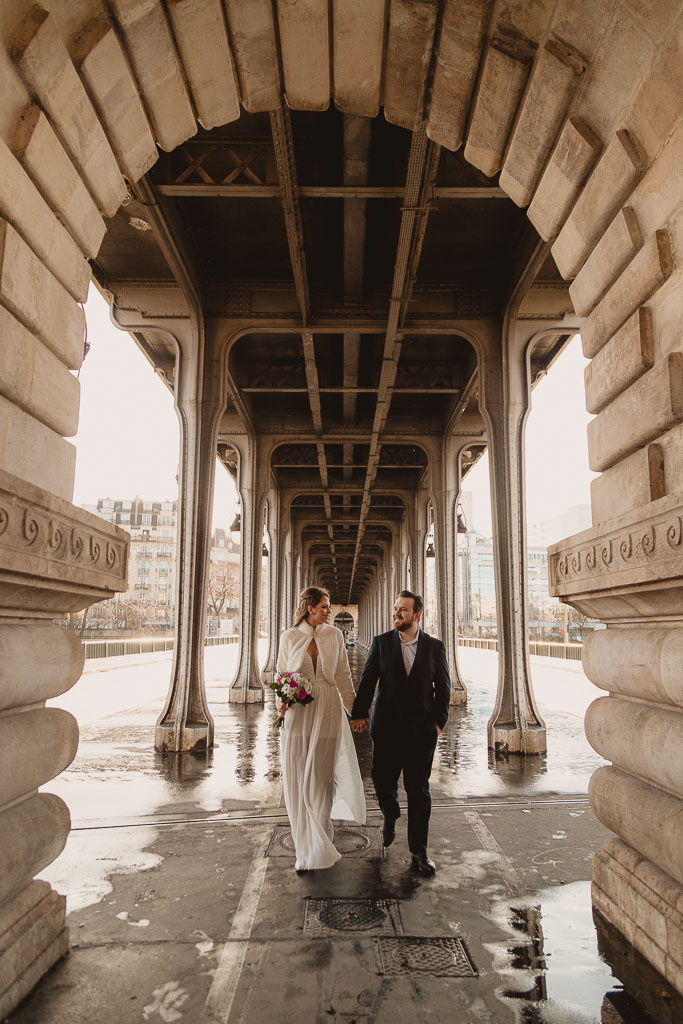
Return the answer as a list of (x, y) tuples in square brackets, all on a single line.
[(128, 434), (556, 450)]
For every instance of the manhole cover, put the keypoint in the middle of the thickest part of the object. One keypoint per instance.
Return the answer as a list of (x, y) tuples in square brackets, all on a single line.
[(350, 841), (335, 916), (436, 957)]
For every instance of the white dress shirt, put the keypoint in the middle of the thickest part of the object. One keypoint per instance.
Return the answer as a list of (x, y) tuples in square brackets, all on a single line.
[(409, 650)]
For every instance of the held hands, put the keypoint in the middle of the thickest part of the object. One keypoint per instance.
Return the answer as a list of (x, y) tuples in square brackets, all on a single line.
[(361, 724)]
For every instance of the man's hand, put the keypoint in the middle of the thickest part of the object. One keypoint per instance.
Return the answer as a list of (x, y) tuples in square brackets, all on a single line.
[(359, 724), (438, 730)]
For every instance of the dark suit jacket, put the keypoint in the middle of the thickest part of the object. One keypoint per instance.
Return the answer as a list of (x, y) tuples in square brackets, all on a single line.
[(405, 704)]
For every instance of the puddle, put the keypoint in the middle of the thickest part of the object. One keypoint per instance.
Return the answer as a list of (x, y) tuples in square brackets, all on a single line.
[(552, 971), (89, 859)]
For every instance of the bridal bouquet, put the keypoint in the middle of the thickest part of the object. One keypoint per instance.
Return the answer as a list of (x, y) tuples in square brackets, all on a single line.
[(290, 688)]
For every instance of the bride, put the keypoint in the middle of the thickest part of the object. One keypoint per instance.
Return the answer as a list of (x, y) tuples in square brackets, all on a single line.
[(320, 773)]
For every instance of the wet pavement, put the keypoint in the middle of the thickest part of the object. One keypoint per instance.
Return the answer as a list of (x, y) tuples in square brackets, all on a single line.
[(184, 905)]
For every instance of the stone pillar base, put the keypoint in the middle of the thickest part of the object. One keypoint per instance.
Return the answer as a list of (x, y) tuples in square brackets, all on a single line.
[(32, 938), (458, 697), (187, 736), (246, 695), (644, 904), (511, 739)]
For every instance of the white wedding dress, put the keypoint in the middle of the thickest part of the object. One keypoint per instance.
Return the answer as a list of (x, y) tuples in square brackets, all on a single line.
[(320, 774)]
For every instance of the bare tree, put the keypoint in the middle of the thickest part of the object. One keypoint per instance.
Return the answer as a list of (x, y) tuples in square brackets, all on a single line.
[(224, 587)]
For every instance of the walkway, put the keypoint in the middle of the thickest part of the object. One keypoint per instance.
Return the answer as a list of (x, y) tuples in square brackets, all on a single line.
[(184, 905)]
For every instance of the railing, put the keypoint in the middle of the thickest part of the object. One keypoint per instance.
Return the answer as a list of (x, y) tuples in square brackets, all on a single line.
[(117, 648), (571, 652)]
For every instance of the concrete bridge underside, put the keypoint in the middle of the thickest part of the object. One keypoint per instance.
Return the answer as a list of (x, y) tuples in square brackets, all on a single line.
[(349, 238)]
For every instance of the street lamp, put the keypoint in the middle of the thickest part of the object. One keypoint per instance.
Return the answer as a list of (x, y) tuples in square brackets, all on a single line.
[(236, 528)]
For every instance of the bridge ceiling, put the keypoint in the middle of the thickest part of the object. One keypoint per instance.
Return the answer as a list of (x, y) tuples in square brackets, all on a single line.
[(349, 236)]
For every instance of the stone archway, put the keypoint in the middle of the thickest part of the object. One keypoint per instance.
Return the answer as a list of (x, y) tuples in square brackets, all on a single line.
[(578, 110)]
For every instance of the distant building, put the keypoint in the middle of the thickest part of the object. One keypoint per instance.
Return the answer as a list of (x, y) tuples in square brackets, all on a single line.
[(150, 598), (576, 519), (224, 583), (476, 583), (151, 563), (477, 588)]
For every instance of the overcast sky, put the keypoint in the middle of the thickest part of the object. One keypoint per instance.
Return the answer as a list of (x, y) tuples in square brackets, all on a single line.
[(128, 433)]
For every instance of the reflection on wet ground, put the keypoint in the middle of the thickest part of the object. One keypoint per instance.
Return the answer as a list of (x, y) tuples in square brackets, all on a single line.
[(552, 968), (515, 836), (242, 772)]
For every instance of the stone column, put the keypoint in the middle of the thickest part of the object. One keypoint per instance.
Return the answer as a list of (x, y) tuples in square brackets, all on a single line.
[(627, 570), (516, 724), (445, 503), (185, 724), (275, 580), (286, 570), (54, 559), (247, 687), (417, 556)]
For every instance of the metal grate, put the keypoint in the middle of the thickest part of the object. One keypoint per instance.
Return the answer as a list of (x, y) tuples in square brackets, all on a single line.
[(440, 958), (368, 916), (350, 841)]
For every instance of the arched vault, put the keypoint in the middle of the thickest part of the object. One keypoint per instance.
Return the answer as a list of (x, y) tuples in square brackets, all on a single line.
[(350, 237)]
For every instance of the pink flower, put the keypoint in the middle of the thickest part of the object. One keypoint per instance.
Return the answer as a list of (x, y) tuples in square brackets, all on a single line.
[(302, 694)]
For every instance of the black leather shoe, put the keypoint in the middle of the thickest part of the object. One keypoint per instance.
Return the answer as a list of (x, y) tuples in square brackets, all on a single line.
[(423, 864), (388, 832)]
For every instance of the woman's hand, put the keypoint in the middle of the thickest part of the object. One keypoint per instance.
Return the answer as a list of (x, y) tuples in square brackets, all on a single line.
[(281, 707)]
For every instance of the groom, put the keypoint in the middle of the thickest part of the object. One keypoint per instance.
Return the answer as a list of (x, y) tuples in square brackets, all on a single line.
[(411, 711)]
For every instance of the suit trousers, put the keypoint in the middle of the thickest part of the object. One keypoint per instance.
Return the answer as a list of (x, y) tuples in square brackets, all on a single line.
[(412, 755)]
